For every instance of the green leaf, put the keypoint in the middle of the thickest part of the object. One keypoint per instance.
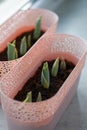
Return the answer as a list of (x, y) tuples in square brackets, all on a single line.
[(39, 97), (63, 65), (37, 31), (45, 76), (16, 53), (55, 68), (14, 42), (44, 81), (28, 97), (23, 46), (11, 51), (29, 41)]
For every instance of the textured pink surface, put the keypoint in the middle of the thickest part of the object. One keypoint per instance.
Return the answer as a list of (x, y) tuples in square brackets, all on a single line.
[(21, 22), (24, 21), (56, 117), (41, 114)]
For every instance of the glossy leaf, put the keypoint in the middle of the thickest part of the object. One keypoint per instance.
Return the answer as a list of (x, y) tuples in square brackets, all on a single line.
[(29, 41), (55, 68), (39, 97), (14, 42), (28, 97), (63, 65), (16, 53), (45, 76), (37, 30), (23, 46), (11, 53)]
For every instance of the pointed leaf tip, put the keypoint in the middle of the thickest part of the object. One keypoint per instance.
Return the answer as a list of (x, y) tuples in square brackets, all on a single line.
[(37, 31), (55, 68), (23, 46), (11, 51), (28, 97), (29, 41), (45, 76), (39, 97), (63, 65)]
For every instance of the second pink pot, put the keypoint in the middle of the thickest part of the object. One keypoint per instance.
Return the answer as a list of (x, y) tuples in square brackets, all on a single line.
[(21, 22), (45, 114)]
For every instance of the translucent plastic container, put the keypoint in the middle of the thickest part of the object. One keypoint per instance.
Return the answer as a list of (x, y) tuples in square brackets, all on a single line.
[(24, 21), (42, 115)]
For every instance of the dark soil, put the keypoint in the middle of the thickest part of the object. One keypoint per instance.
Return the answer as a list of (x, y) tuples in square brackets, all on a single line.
[(34, 83), (3, 55)]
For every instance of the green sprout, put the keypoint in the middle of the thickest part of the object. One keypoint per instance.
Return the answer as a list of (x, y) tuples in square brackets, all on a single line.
[(23, 46), (14, 42), (12, 52), (37, 30), (28, 97), (55, 68), (45, 76), (16, 53), (39, 97), (29, 41), (63, 65)]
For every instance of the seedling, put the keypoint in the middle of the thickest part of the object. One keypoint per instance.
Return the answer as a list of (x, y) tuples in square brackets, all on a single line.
[(14, 42), (28, 97), (29, 41), (63, 64), (55, 68), (45, 76), (16, 53), (23, 46), (39, 97), (12, 51), (37, 31), (26, 42)]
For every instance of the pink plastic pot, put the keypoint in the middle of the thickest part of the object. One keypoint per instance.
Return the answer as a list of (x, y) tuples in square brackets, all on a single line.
[(46, 114), (24, 21)]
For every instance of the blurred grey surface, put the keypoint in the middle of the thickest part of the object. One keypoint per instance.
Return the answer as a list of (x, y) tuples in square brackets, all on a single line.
[(73, 20), (72, 15)]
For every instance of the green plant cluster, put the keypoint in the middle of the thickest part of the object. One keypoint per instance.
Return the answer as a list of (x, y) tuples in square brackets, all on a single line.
[(12, 52), (45, 77)]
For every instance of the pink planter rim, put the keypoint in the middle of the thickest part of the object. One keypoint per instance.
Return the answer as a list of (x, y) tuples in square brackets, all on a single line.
[(30, 103), (78, 62), (24, 21), (22, 13), (51, 46), (37, 9)]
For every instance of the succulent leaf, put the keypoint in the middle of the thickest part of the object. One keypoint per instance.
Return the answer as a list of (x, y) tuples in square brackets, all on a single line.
[(37, 30), (16, 53), (63, 65), (55, 68), (23, 46), (29, 41), (14, 42), (39, 97), (28, 97), (11, 51), (45, 76)]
